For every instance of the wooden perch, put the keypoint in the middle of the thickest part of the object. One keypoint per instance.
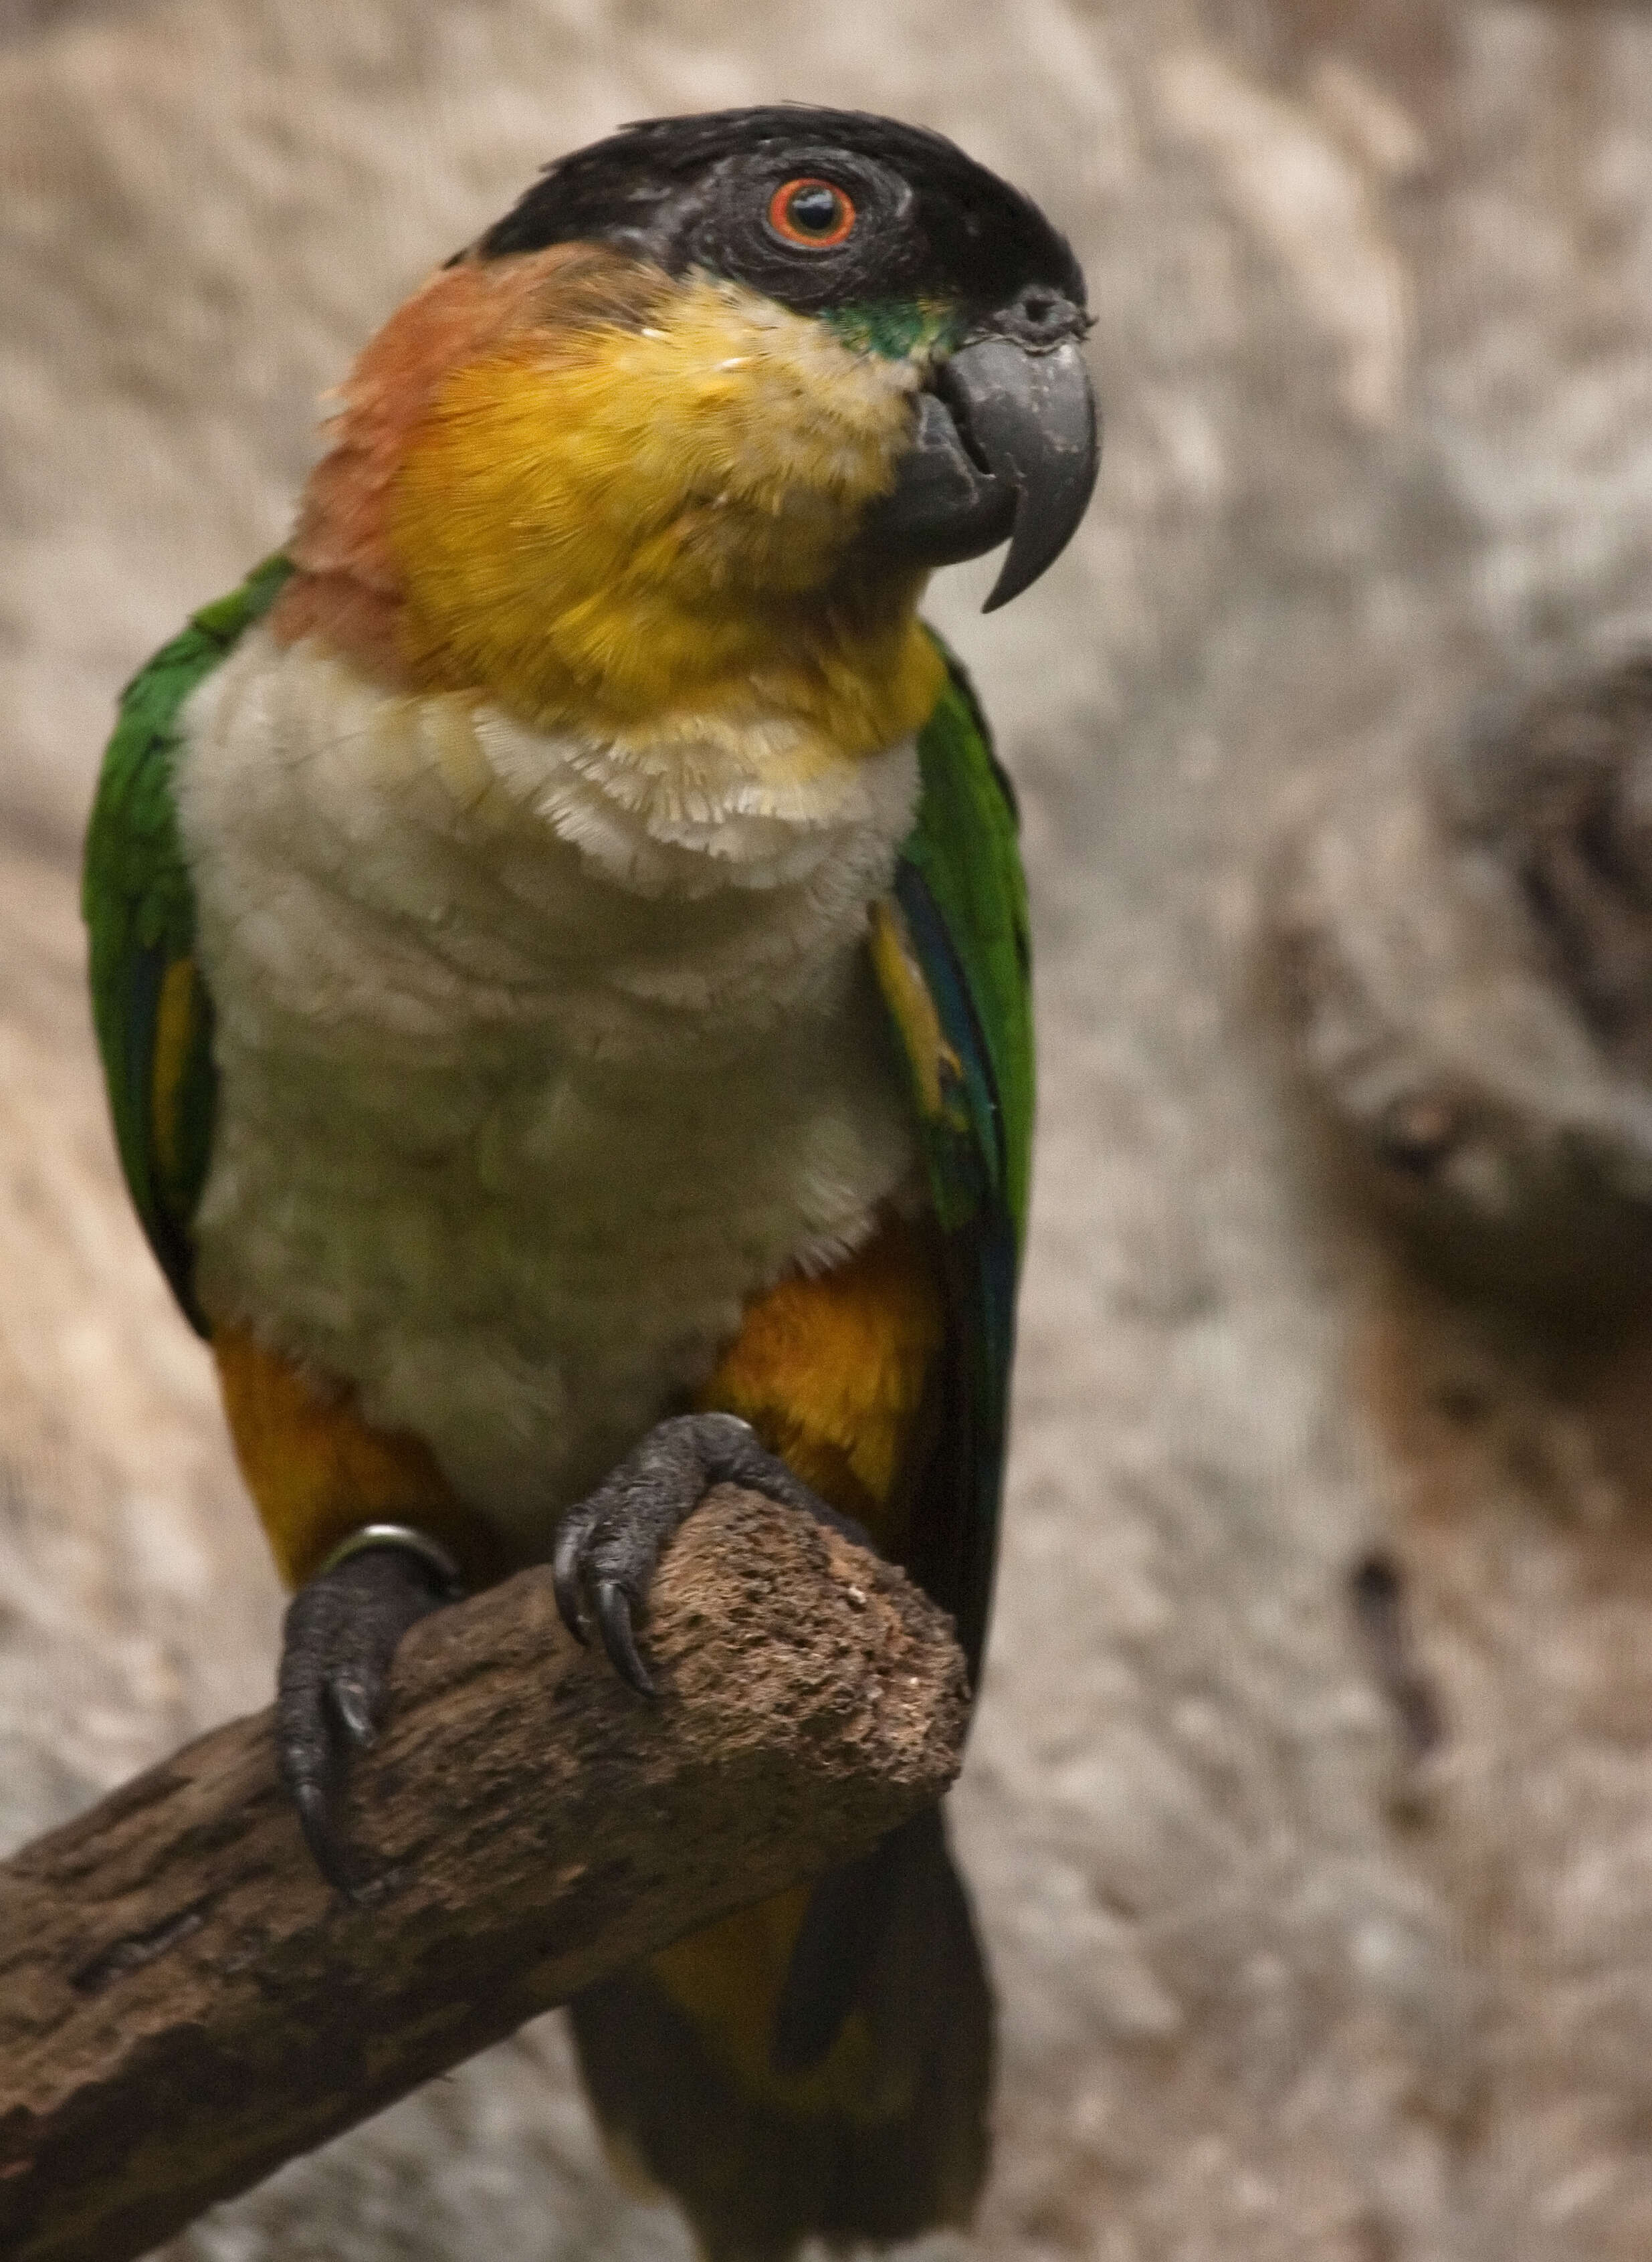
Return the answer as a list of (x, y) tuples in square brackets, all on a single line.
[(184, 2005)]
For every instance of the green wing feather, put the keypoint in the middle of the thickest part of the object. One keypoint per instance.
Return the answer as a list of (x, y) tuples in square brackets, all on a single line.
[(952, 955), (150, 1008)]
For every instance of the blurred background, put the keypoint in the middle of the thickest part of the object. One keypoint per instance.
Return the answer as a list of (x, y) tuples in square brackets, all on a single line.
[(1309, 1807)]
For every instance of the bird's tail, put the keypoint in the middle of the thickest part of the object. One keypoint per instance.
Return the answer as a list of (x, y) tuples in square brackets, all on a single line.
[(821, 2063)]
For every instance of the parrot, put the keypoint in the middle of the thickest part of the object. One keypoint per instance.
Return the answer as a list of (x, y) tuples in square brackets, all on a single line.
[(560, 959)]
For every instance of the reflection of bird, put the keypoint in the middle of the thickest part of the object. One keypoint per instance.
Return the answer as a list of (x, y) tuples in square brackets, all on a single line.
[(560, 959)]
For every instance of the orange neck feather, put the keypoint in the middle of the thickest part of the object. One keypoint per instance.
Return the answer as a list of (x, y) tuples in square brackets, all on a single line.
[(608, 499), (348, 589)]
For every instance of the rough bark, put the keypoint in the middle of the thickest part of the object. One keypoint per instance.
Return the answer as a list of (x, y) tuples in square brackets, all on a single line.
[(184, 2005)]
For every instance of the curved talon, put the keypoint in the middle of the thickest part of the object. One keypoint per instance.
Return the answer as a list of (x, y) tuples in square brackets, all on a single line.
[(613, 1614), (340, 1636), (564, 1578), (314, 1811), (352, 1707), (609, 1545)]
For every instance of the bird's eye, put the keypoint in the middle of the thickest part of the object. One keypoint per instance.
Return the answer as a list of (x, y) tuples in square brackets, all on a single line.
[(811, 212)]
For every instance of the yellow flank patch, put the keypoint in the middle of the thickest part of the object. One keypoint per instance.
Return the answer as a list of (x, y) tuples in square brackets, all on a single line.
[(832, 1372), (901, 980), (177, 1014), (603, 525), (317, 1470)]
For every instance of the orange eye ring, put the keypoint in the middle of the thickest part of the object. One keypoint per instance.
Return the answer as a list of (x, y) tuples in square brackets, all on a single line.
[(793, 222)]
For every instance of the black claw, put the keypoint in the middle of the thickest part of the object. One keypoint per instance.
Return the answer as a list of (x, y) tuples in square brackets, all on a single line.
[(609, 1545), (323, 1837), (613, 1615), (341, 1635), (353, 1709), (565, 1576)]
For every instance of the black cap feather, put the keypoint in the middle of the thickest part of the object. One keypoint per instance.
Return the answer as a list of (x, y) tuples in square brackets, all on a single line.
[(693, 192)]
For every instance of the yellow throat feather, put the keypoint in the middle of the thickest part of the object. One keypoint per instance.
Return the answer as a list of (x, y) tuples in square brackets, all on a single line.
[(612, 528)]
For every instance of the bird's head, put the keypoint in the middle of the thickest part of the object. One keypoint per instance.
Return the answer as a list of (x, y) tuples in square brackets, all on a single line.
[(694, 419)]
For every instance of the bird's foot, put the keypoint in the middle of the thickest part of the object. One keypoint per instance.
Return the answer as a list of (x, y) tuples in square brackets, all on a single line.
[(609, 1545), (340, 1634)]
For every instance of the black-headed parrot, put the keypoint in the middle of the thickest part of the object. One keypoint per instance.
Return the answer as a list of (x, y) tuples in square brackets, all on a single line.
[(559, 958)]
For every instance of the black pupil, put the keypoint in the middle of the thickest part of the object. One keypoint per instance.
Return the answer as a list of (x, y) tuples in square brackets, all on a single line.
[(813, 210)]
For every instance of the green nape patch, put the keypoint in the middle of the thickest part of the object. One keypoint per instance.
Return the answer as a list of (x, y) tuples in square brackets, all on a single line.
[(897, 328)]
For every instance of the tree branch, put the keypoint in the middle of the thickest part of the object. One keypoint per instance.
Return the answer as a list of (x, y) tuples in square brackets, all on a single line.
[(183, 2004)]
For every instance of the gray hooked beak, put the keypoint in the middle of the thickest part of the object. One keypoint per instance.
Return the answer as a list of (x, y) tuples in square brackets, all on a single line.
[(1006, 444)]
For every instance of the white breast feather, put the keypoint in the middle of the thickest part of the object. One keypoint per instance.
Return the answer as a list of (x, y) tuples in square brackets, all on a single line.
[(537, 1058)]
